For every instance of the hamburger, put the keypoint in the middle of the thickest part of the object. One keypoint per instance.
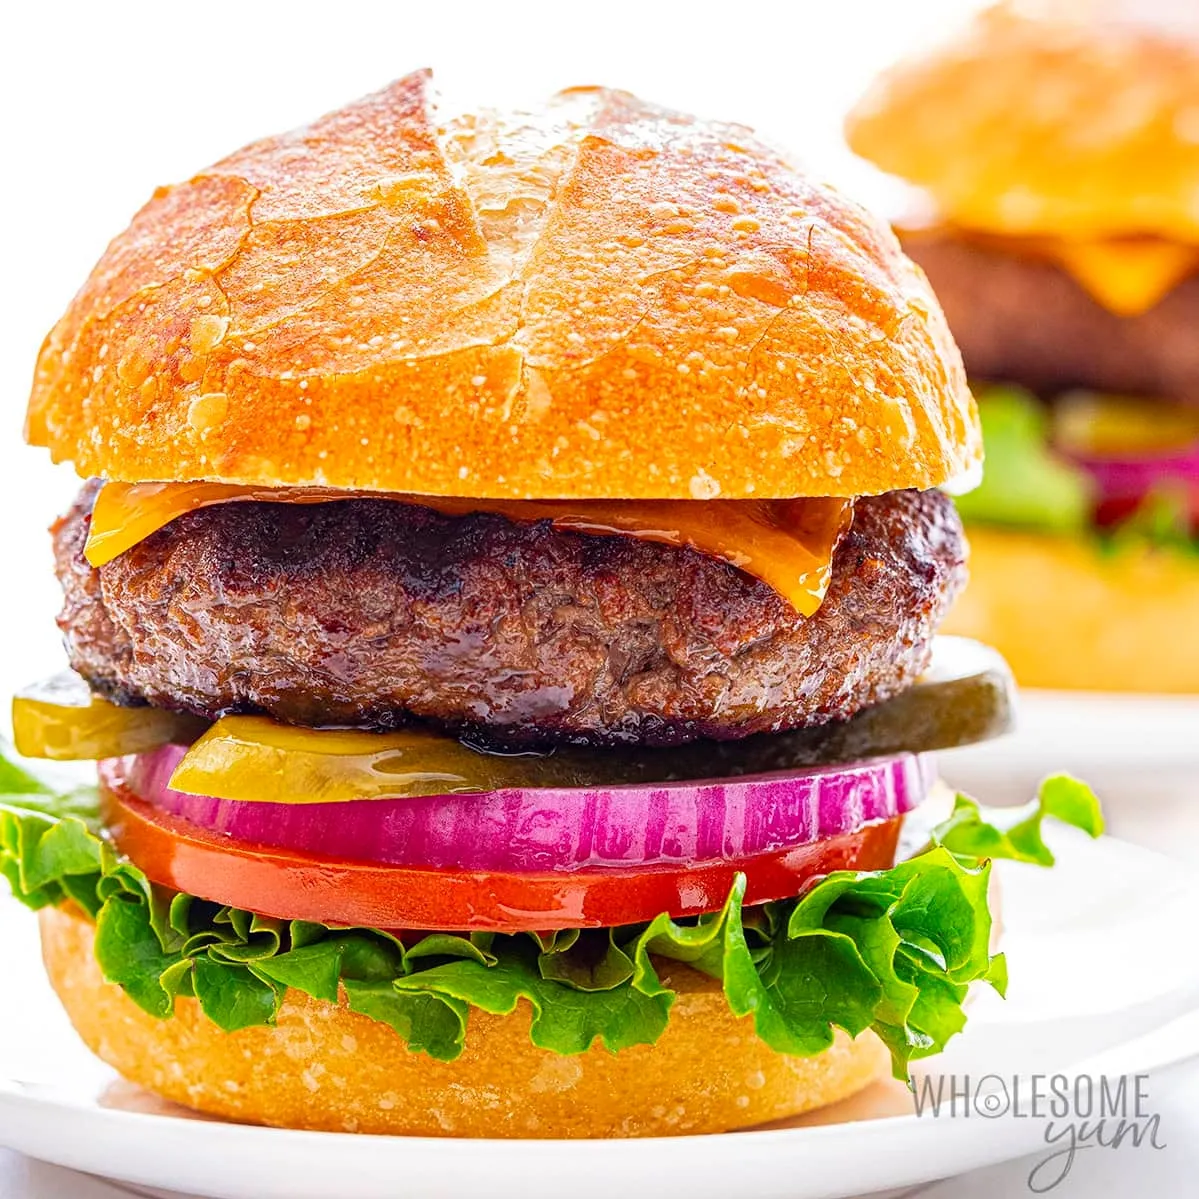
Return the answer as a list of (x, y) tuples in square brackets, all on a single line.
[(502, 608), (1055, 152)]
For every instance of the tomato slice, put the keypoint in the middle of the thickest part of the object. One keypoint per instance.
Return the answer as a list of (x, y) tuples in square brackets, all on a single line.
[(295, 886), (1113, 511)]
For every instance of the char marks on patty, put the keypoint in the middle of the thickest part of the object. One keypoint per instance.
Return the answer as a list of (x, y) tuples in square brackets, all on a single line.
[(369, 612)]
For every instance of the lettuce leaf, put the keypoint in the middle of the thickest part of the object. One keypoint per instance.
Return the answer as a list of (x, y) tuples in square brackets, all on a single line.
[(1024, 484), (1027, 484), (1165, 520), (893, 950), (969, 835)]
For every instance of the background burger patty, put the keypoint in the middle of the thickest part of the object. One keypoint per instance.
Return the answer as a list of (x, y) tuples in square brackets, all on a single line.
[(1028, 321), (363, 612)]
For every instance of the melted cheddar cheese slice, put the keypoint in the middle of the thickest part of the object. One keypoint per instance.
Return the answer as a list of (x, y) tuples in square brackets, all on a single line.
[(1126, 277), (788, 544)]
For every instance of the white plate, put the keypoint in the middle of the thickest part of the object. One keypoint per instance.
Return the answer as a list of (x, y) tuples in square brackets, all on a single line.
[(1094, 947), (1139, 752), (1098, 736)]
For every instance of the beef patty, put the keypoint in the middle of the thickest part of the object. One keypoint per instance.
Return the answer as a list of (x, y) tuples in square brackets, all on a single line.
[(1028, 321), (369, 612)]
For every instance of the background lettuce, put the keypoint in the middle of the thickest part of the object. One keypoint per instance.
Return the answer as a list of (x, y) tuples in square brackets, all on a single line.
[(1025, 484)]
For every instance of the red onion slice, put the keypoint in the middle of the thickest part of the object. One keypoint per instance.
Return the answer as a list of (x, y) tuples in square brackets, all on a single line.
[(554, 829), (1132, 478)]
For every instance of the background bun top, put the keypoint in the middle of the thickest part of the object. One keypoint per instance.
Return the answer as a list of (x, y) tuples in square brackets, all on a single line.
[(1073, 119), (598, 299)]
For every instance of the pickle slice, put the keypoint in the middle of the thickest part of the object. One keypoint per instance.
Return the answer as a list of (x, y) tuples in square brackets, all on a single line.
[(61, 719), (257, 759), (966, 696), (1095, 425)]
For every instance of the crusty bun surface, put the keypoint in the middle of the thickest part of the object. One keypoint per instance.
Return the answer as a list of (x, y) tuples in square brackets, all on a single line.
[(1065, 614), (1069, 118), (327, 1068), (601, 299)]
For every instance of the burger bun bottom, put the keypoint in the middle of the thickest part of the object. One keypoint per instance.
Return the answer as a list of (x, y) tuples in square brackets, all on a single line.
[(1069, 616), (325, 1067)]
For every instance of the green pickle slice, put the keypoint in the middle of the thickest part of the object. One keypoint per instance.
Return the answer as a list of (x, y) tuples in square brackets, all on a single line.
[(61, 719), (966, 696)]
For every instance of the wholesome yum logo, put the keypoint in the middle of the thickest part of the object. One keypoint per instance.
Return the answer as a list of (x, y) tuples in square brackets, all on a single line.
[(1080, 1112)]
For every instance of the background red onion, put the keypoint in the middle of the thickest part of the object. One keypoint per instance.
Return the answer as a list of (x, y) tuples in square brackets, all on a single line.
[(1132, 478), (550, 828)]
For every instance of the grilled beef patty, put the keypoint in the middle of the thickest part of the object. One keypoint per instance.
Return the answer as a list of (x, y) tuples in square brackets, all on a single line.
[(1021, 320), (367, 613)]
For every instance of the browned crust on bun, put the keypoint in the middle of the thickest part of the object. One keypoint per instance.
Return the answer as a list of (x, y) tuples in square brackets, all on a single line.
[(1047, 118), (601, 299), (324, 1067), (1067, 615)]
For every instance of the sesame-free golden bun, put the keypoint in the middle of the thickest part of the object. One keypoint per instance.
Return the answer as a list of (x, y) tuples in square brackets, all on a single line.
[(599, 299), (1075, 119), (1067, 614), (324, 1067)]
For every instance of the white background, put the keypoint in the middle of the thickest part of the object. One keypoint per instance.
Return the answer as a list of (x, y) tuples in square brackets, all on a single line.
[(104, 101)]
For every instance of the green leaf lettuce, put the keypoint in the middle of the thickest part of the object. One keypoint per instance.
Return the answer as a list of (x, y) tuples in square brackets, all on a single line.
[(893, 950), (1024, 484), (1028, 484)]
